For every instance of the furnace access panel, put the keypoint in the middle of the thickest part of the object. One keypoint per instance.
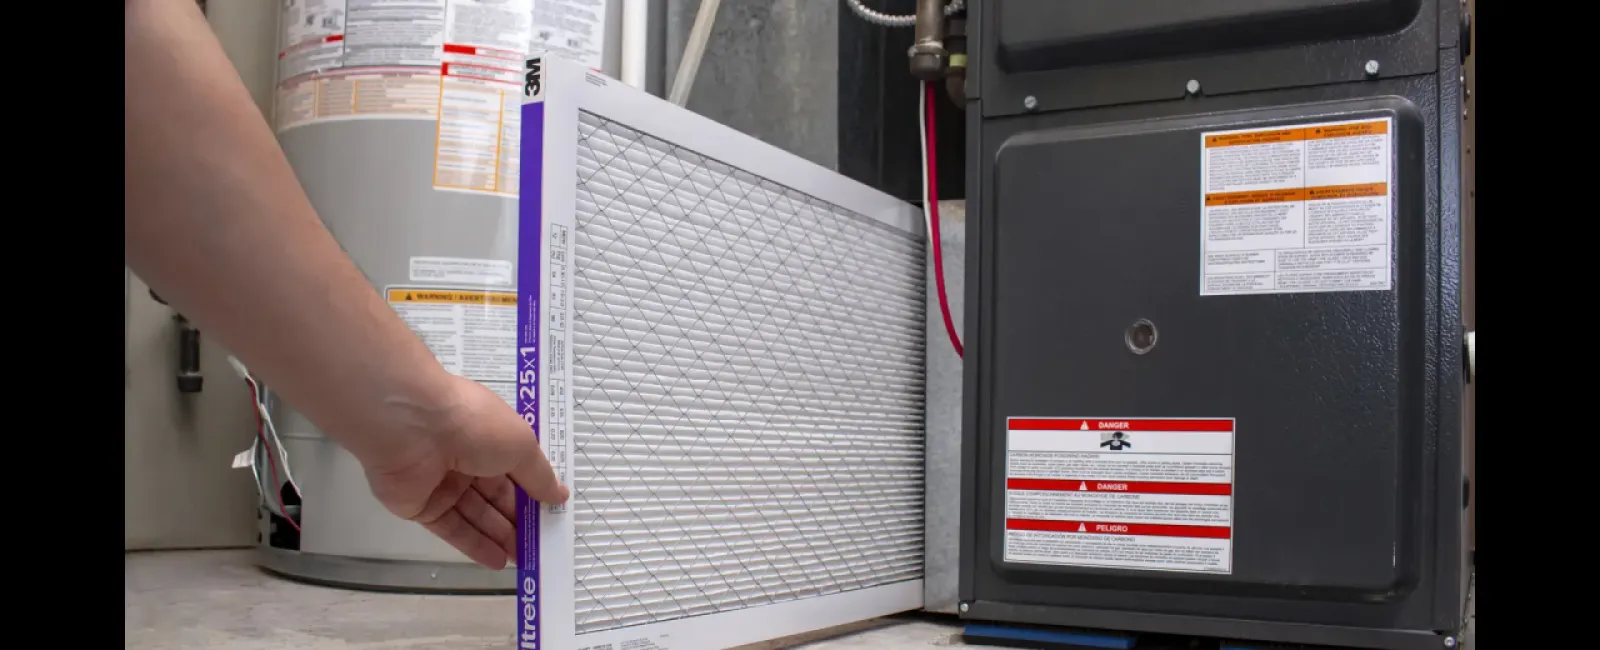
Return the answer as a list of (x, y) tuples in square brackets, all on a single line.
[(1214, 377), (1170, 336), (1203, 377)]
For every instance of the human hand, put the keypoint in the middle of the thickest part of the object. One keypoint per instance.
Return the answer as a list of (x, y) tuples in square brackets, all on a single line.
[(456, 474)]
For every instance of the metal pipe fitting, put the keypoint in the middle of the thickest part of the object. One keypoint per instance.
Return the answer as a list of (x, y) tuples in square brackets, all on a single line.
[(928, 56)]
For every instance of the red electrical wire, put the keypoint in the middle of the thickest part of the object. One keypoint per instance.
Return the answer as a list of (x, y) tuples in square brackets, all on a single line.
[(272, 461), (933, 221)]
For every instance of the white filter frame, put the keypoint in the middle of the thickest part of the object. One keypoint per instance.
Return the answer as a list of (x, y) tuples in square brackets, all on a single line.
[(555, 94)]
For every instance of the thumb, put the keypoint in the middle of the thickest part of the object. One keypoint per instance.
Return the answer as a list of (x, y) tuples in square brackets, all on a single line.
[(503, 443), (535, 476), (533, 472)]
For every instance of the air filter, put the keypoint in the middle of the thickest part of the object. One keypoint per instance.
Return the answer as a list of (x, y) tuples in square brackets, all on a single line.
[(721, 348)]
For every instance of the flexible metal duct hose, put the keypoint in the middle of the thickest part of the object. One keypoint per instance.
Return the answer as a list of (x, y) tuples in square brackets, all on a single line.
[(886, 20)]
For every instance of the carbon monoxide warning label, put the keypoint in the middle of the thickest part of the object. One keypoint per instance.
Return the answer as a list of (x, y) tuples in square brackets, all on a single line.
[(1120, 493), (1297, 209)]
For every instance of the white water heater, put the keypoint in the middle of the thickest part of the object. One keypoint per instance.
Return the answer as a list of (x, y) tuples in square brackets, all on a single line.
[(400, 118)]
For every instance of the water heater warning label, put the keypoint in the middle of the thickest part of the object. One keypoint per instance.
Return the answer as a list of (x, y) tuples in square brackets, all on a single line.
[(1152, 493), (1297, 209), (472, 332)]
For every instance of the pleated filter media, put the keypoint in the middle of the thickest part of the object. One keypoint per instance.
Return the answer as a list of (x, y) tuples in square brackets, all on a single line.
[(721, 347)]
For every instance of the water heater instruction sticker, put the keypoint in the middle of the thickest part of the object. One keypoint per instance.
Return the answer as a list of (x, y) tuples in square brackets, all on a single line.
[(1151, 493), (478, 148), (358, 59), (575, 29), (1297, 209), (455, 62), (472, 332), (461, 270)]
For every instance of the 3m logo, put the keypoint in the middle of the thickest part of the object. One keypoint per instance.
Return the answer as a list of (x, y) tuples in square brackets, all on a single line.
[(533, 79)]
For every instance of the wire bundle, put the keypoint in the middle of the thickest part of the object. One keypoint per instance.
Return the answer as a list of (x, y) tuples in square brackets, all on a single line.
[(266, 439), (930, 208)]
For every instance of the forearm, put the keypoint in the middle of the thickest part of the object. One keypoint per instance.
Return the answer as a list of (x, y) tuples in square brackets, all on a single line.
[(218, 225)]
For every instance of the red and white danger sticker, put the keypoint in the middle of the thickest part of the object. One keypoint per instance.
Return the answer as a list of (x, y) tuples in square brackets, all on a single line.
[(1149, 493)]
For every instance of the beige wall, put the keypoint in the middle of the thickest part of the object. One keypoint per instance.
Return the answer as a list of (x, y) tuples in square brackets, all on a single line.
[(179, 490)]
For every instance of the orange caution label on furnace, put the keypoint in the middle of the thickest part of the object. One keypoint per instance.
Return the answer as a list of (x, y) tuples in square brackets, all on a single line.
[(1297, 209)]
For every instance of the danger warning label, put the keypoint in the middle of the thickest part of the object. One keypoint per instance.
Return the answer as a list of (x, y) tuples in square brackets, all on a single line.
[(1150, 493)]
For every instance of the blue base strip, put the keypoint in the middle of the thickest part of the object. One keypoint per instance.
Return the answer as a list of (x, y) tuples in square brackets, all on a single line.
[(1034, 635)]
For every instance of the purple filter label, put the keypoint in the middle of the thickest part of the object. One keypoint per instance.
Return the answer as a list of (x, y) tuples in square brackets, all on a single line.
[(529, 234)]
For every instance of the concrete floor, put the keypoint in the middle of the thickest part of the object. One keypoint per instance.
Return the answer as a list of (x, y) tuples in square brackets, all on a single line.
[(219, 600)]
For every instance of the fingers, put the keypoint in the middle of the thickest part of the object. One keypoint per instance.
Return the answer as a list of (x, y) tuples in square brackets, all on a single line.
[(489, 520), (477, 520), (501, 493), (454, 529), (505, 445), (444, 497)]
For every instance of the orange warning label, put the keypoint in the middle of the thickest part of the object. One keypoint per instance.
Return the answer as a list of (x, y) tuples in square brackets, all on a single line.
[(1347, 191), (1258, 196), (451, 297), (1375, 127), (1255, 137), (1306, 211), (1296, 194), (1269, 136)]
